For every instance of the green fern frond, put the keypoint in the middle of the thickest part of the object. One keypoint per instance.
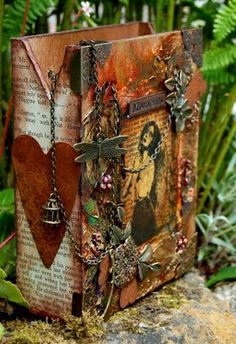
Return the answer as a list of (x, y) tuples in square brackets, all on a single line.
[(14, 15), (218, 77), (225, 21), (219, 57)]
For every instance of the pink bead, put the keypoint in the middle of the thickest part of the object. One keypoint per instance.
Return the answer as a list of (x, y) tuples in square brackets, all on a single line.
[(103, 186), (96, 253), (105, 179), (109, 178), (109, 186)]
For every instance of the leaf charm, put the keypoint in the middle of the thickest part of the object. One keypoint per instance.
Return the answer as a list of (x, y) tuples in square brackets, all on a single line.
[(146, 255), (176, 99), (142, 270), (119, 235), (143, 265)]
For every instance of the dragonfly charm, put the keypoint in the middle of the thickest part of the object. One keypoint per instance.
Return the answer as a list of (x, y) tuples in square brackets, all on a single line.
[(107, 148)]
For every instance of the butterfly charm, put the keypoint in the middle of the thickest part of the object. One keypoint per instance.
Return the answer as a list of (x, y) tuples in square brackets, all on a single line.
[(107, 148)]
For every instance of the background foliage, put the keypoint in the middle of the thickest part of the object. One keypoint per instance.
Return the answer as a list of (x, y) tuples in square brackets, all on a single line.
[(216, 217)]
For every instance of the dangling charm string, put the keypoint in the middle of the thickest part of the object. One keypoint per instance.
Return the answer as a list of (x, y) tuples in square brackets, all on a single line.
[(52, 209), (53, 78)]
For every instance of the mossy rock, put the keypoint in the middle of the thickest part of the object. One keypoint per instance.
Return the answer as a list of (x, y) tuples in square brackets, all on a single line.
[(182, 312)]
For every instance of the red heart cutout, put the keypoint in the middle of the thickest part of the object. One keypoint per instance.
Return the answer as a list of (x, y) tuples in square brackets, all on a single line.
[(33, 175)]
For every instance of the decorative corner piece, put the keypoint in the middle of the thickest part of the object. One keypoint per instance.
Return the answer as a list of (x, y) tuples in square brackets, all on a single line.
[(193, 45), (80, 67), (179, 107)]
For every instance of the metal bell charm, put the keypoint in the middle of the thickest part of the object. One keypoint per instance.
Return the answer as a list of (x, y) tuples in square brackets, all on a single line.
[(52, 211)]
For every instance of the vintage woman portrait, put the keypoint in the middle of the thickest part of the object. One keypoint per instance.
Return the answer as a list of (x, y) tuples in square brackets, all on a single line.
[(143, 185)]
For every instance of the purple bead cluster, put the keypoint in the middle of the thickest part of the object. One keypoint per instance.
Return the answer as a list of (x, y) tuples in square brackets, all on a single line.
[(187, 173), (106, 182), (181, 244)]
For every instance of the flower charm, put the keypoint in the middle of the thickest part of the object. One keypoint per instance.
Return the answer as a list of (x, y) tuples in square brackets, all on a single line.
[(179, 107), (86, 8), (181, 244)]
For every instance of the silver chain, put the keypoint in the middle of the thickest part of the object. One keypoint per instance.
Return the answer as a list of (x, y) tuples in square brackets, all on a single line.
[(86, 260), (89, 261), (93, 81), (53, 77), (117, 110)]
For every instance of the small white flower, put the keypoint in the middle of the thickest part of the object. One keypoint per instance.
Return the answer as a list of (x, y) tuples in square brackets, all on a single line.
[(200, 3), (198, 23), (86, 8)]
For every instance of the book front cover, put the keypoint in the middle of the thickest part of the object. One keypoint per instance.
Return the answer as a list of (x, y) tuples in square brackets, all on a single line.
[(155, 84)]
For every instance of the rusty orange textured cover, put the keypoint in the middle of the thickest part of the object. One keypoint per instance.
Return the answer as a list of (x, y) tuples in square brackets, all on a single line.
[(147, 71)]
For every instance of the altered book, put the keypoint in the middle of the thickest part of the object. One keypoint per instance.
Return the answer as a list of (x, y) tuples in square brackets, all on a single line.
[(105, 150)]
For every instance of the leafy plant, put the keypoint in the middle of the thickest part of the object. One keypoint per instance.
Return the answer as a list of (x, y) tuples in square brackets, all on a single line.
[(14, 17), (7, 225), (225, 21), (227, 273), (216, 243), (10, 292), (218, 64), (219, 76), (2, 330), (219, 60), (217, 180), (226, 191), (227, 56)]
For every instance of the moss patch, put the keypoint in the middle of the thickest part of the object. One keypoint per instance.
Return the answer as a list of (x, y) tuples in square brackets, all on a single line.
[(170, 297), (126, 320), (89, 329), (34, 332)]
